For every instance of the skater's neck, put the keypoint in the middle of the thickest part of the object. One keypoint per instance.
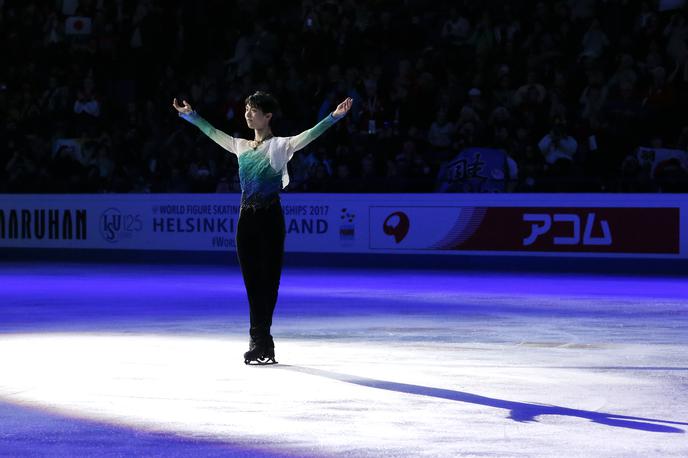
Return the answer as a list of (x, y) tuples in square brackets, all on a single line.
[(262, 134)]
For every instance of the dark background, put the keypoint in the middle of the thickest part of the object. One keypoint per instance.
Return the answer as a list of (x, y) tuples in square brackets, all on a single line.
[(429, 80)]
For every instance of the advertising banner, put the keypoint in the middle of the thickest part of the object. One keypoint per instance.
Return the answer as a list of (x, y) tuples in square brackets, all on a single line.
[(529, 229), (449, 224)]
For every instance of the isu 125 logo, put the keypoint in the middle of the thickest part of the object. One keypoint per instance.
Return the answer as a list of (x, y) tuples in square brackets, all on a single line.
[(569, 224), (115, 226)]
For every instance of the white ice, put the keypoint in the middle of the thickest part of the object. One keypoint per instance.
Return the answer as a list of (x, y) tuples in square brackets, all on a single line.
[(372, 363)]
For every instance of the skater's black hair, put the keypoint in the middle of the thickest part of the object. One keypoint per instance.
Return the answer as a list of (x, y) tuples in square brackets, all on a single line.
[(263, 101)]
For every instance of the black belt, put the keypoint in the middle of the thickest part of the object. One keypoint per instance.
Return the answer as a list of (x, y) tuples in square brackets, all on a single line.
[(259, 202)]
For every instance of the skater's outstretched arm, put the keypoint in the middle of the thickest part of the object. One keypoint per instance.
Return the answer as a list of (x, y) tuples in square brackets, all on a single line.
[(300, 141), (186, 112)]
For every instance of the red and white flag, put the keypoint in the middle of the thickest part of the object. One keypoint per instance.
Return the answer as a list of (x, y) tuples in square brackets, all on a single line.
[(78, 25)]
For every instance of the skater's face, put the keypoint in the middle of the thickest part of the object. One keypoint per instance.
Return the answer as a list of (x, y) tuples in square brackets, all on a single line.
[(256, 119)]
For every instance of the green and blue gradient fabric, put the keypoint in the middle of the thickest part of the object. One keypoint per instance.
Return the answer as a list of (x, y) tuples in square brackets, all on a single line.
[(262, 171)]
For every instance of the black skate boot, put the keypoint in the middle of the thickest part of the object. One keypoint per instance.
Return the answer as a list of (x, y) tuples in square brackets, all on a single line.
[(260, 352)]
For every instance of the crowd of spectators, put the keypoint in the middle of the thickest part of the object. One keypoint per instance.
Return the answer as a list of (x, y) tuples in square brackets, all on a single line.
[(576, 95)]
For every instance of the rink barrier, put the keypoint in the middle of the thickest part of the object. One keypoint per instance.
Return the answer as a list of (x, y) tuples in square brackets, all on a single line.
[(471, 225)]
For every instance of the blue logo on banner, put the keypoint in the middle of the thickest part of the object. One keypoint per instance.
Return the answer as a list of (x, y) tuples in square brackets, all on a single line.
[(115, 226)]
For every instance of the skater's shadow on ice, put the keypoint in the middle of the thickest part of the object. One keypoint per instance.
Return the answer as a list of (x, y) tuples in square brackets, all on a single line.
[(518, 411)]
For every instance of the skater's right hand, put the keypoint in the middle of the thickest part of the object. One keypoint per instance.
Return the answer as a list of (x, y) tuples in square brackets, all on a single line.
[(183, 109)]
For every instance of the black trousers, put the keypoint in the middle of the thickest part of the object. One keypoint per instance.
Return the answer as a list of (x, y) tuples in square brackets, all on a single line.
[(260, 247)]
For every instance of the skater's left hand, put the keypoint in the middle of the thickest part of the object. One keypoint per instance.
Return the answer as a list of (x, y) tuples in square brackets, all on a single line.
[(343, 108)]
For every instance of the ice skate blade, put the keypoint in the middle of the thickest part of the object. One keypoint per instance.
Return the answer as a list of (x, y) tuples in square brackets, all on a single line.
[(260, 362)]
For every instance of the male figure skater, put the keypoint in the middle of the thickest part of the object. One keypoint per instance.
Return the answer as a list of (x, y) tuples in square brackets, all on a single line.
[(260, 229)]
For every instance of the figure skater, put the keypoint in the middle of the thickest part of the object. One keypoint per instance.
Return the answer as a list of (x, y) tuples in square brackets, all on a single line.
[(261, 230)]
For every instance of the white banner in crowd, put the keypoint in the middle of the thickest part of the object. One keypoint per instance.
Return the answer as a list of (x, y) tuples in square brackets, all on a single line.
[(632, 225)]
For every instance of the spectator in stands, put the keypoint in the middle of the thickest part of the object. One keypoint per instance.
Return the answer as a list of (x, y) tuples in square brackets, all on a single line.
[(595, 41), (441, 131), (534, 59), (558, 149), (456, 28), (86, 100)]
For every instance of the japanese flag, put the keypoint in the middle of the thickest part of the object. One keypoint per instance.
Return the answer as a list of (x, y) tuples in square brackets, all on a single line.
[(78, 25)]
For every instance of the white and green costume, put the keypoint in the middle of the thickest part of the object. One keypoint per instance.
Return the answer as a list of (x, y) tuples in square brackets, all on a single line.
[(261, 230), (262, 171)]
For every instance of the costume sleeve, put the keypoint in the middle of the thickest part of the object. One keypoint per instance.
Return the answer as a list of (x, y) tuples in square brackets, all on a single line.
[(226, 141), (300, 141)]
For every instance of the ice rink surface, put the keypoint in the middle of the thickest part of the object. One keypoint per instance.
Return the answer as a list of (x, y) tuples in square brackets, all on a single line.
[(146, 360)]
